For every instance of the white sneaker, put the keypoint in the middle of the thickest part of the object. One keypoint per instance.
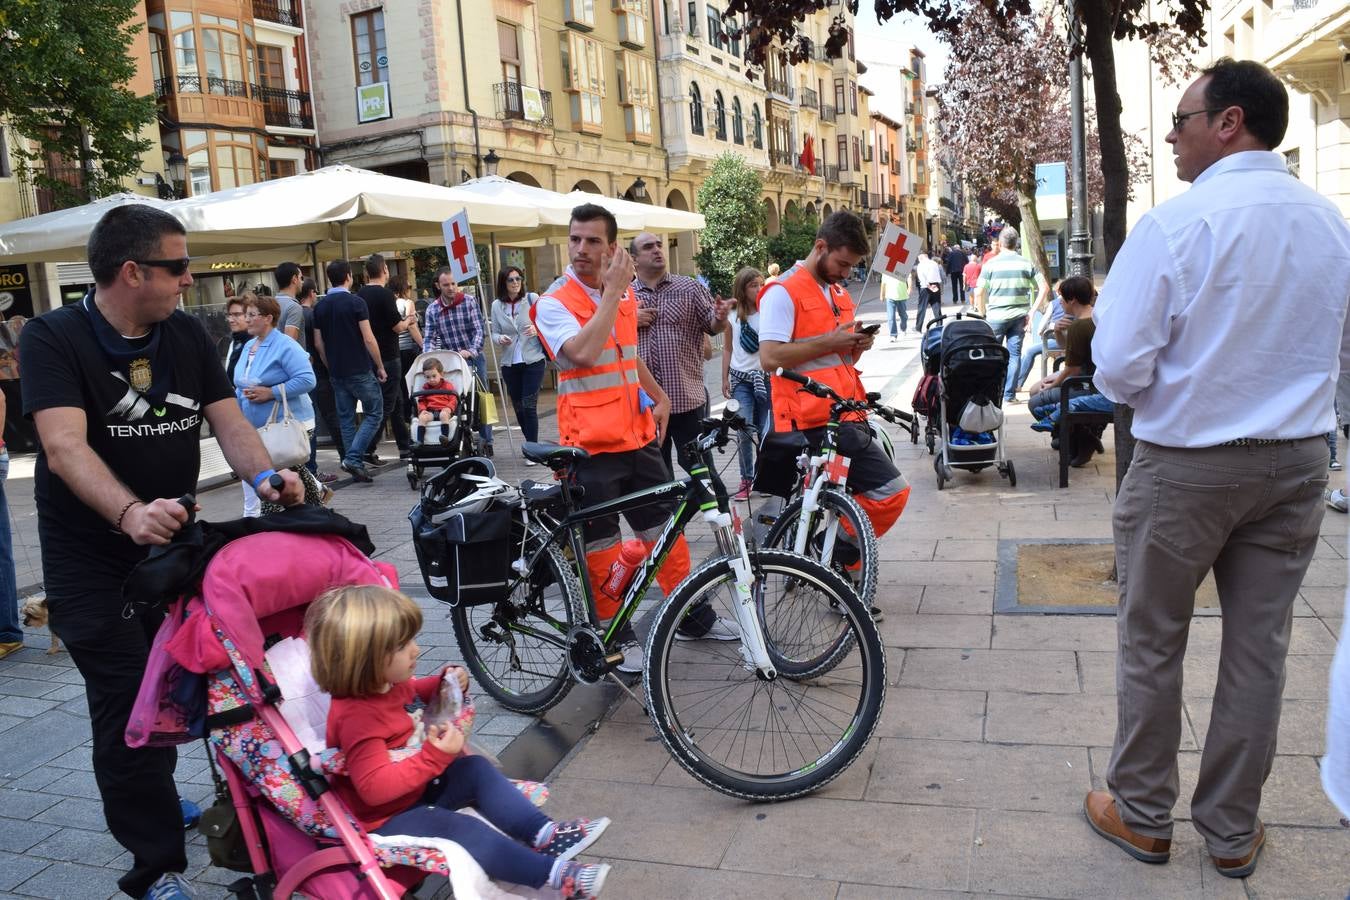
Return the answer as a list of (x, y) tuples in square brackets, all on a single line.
[(1337, 500), (722, 630), (530, 462), (634, 659)]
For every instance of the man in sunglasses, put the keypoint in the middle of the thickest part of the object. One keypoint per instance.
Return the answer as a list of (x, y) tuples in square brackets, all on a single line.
[(118, 385), (1230, 408)]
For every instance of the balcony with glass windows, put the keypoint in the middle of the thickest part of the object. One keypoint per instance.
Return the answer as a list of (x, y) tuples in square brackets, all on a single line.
[(516, 103), (874, 201), (831, 174), (827, 113), (283, 12), (810, 98), (780, 86), (782, 159)]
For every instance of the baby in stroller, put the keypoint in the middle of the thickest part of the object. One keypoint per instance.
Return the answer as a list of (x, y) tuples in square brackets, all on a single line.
[(363, 653), (439, 406)]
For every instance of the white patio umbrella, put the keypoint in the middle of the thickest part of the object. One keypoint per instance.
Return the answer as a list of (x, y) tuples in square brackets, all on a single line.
[(633, 216), (331, 210)]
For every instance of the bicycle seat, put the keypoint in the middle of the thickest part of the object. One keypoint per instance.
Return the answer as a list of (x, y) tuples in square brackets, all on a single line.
[(555, 456)]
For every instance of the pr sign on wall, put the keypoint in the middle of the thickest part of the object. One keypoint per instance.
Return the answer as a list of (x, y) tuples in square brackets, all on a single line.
[(372, 102), (16, 298)]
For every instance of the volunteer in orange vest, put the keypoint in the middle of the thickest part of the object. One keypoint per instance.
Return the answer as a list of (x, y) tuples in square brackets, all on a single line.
[(610, 406), (806, 324)]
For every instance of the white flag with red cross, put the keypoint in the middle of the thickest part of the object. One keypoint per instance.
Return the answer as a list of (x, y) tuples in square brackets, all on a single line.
[(459, 247), (897, 253)]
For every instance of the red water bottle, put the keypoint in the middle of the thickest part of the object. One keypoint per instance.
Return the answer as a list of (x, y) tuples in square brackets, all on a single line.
[(631, 555)]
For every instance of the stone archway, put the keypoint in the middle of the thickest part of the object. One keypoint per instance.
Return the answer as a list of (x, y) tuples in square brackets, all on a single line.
[(771, 223), (826, 211), (589, 187), (681, 245), (790, 209), (523, 178)]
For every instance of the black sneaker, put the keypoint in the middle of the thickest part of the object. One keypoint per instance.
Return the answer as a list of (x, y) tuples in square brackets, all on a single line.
[(845, 554), (373, 460), (357, 472), (487, 449), (570, 838)]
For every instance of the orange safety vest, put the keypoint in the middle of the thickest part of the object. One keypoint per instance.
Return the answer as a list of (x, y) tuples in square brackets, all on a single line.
[(598, 407), (794, 409)]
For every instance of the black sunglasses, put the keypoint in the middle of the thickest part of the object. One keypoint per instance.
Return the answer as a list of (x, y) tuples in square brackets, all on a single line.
[(175, 267), (1179, 119)]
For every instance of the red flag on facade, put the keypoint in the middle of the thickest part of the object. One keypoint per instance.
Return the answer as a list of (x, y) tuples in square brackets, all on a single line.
[(808, 157)]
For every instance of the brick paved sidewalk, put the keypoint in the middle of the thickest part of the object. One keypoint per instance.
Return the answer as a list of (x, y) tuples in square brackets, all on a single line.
[(994, 728)]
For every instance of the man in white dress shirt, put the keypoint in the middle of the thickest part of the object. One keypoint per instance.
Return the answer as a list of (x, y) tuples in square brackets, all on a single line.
[(1230, 404)]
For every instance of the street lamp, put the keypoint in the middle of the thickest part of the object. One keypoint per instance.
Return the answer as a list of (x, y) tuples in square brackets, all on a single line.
[(490, 161), (639, 189), (177, 165)]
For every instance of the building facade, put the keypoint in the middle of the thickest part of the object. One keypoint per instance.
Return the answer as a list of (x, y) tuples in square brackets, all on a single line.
[(1305, 42)]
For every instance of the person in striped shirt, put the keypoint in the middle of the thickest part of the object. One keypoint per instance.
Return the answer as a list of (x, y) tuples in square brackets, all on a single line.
[(1008, 286)]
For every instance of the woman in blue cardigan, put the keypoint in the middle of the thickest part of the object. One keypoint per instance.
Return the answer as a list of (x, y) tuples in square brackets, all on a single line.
[(269, 362)]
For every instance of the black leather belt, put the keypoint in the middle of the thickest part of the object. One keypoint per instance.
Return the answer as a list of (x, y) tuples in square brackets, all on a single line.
[(1256, 442)]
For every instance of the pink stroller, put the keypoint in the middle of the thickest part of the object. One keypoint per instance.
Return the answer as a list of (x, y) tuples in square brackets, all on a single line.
[(300, 838)]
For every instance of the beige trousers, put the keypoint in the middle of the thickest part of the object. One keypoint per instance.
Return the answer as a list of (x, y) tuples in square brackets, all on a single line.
[(1252, 514)]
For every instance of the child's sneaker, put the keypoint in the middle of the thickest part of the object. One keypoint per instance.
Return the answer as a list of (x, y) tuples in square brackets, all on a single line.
[(568, 839), (744, 492), (192, 813), (582, 881), (171, 886)]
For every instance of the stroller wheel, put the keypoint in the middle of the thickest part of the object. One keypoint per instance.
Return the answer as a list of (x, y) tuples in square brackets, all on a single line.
[(943, 474), (1012, 474), (914, 432), (931, 442)]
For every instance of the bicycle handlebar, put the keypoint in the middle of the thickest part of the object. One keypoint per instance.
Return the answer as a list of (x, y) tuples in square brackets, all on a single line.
[(825, 392)]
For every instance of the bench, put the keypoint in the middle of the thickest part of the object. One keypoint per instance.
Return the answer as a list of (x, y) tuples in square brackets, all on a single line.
[(1069, 418)]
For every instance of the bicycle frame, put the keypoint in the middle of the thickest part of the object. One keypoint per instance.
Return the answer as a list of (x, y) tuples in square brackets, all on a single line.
[(702, 492), (830, 468)]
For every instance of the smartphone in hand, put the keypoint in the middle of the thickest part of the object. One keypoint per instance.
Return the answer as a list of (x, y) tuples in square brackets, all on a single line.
[(867, 329)]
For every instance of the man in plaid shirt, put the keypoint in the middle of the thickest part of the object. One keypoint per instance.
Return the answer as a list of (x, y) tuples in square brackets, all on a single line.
[(674, 314), (455, 322)]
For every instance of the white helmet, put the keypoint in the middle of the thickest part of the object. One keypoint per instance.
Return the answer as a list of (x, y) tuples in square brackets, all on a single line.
[(881, 437)]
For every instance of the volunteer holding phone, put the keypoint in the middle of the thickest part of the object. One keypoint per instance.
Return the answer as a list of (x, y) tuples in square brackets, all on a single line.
[(612, 407), (806, 323)]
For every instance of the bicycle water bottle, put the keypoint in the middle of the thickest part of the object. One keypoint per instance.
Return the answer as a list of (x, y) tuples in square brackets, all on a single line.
[(631, 555)]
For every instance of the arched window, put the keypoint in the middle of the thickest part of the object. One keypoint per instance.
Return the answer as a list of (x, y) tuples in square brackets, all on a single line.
[(695, 108), (719, 116), (757, 126), (737, 121)]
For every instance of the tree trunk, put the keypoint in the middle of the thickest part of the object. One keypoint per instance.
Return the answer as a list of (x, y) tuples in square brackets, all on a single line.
[(1098, 20), (1032, 242)]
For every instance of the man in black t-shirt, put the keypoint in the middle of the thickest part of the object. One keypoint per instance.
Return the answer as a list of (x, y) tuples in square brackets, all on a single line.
[(345, 343), (118, 386), (386, 324)]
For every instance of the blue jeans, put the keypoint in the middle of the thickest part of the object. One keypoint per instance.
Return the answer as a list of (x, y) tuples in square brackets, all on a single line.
[(472, 781), (755, 410), (522, 383), (480, 366), (1029, 358), (894, 308), (348, 390), (1011, 330), (1088, 401), (9, 589)]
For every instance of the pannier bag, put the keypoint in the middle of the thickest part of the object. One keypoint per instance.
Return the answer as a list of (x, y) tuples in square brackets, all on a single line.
[(465, 557)]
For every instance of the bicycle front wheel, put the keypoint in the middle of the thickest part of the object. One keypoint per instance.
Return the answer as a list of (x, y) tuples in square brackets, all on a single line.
[(516, 648), (852, 529), (754, 738)]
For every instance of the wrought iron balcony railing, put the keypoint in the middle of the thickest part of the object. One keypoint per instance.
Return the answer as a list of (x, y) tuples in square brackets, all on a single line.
[(285, 109), (510, 102), (283, 12)]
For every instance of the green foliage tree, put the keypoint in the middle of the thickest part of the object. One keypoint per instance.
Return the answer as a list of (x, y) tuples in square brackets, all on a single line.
[(795, 239), (734, 236), (66, 66)]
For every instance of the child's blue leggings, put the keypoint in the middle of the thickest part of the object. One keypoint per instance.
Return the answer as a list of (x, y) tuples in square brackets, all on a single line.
[(472, 781)]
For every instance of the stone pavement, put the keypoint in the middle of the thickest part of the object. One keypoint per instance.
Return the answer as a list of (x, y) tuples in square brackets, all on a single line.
[(994, 728)]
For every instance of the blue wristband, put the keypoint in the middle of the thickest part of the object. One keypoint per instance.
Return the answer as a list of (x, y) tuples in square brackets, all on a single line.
[(262, 476)]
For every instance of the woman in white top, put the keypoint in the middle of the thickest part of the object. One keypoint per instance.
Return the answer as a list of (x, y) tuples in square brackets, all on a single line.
[(410, 338), (518, 349), (742, 377)]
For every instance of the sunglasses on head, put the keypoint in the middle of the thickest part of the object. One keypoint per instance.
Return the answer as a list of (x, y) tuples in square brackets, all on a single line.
[(175, 267)]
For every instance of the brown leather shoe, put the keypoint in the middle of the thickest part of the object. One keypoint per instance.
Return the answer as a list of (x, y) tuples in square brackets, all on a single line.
[(1100, 809), (1244, 865)]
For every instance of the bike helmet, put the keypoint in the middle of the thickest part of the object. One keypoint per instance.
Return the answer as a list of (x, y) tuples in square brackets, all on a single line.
[(881, 437)]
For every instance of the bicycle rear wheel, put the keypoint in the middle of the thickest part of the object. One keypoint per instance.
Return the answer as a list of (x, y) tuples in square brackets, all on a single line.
[(516, 648), (753, 738)]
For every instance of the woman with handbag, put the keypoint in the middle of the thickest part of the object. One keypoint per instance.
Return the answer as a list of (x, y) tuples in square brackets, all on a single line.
[(272, 380), (742, 376), (518, 349)]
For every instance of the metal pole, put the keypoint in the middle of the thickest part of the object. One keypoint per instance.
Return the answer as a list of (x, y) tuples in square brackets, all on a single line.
[(485, 307), (1080, 238), (346, 252)]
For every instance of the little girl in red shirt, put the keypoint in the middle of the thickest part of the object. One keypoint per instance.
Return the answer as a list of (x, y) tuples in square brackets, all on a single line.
[(363, 654)]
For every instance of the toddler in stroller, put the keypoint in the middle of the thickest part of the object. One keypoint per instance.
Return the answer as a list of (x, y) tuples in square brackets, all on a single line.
[(437, 403), (364, 655)]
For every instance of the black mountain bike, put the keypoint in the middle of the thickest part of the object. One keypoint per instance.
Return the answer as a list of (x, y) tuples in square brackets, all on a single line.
[(776, 714)]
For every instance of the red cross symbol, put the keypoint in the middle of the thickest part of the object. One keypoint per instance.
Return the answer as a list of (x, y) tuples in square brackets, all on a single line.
[(896, 253), (459, 248)]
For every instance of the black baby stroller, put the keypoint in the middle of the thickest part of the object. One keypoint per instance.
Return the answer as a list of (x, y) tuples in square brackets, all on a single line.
[(960, 397), (437, 444)]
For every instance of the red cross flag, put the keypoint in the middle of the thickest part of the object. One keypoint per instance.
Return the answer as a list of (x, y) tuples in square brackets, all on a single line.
[(459, 247), (897, 253)]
